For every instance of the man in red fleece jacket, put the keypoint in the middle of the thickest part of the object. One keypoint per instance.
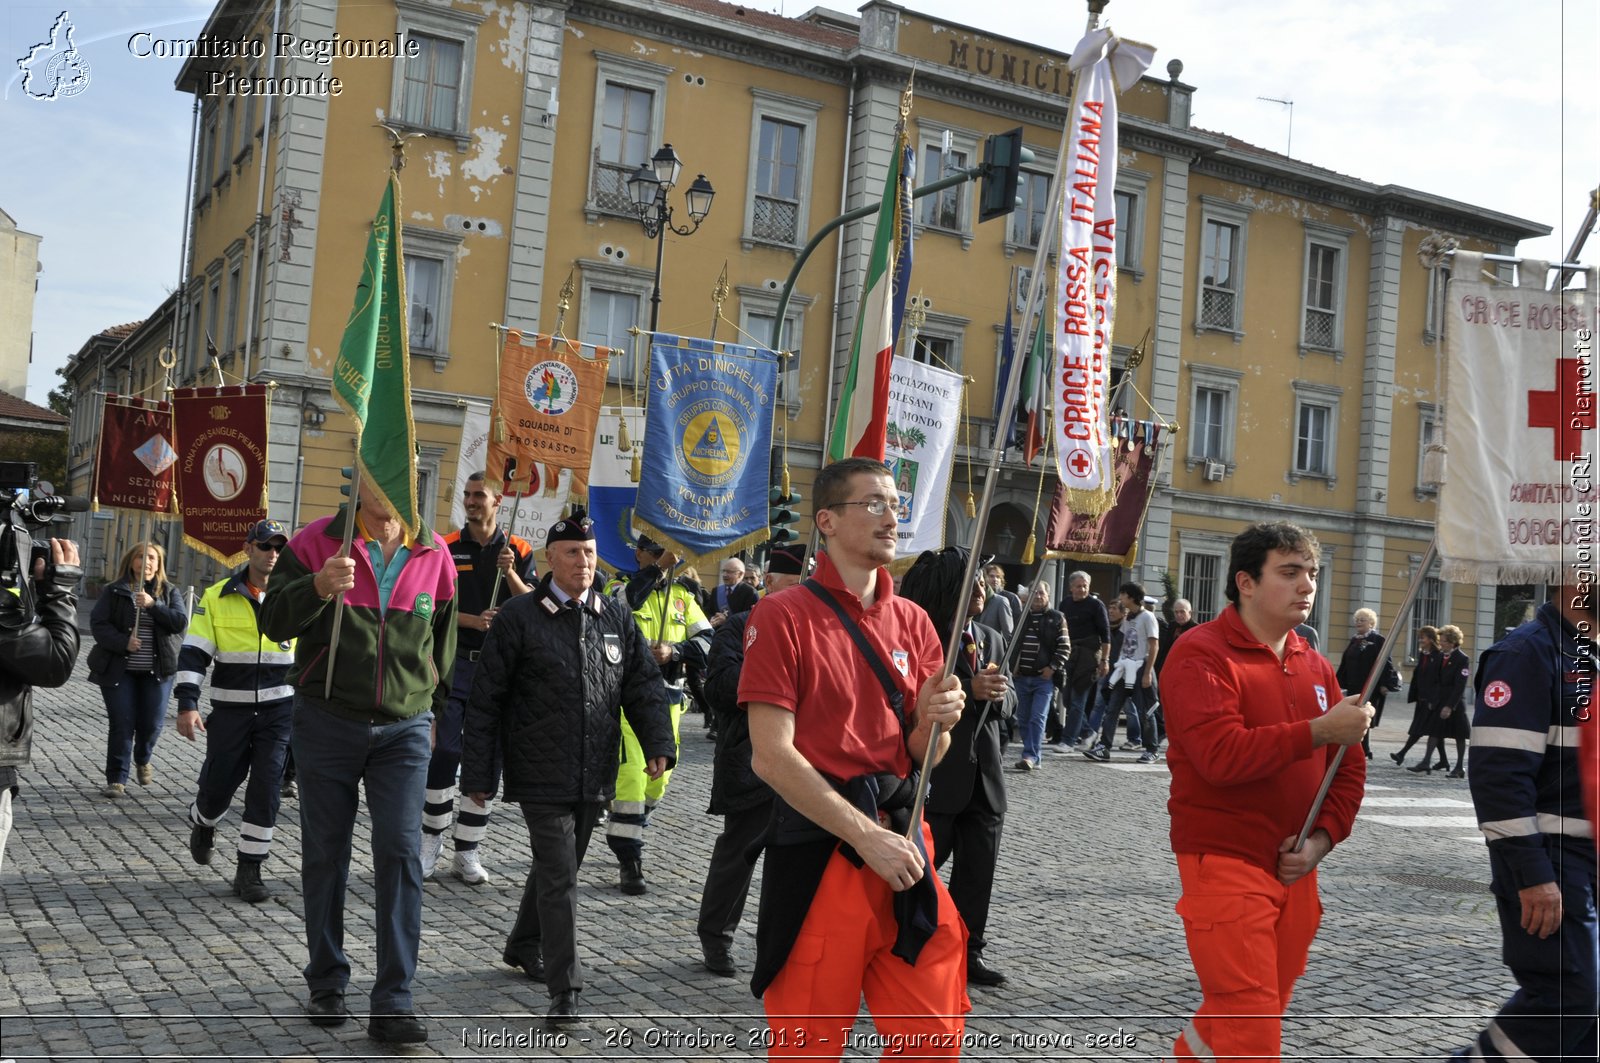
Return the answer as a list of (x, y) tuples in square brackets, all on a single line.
[(1253, 720)]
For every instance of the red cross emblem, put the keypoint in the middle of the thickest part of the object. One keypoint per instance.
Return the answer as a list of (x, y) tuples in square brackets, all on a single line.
[(1080, 462), (1545, 410)]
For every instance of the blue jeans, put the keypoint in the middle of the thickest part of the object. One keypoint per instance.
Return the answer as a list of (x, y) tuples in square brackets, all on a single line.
[(335, 758), (1077, 702), (136, 710), (1134, 701), (1033, 704)]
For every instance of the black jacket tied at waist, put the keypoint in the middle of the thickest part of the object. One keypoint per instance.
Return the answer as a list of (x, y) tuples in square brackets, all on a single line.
[(798, 852)]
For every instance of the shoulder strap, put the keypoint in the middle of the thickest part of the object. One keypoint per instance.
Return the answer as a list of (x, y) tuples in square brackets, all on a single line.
[(897, 700)]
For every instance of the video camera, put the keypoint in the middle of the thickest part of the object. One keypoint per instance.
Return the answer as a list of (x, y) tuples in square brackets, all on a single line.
[(28, 507)]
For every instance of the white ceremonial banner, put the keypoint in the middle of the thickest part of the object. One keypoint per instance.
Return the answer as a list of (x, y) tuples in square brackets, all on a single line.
[(1086, 276), (529, 517), (1517, 501), (924, 411)]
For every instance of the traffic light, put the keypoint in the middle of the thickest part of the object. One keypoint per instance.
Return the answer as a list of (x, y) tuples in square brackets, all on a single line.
[(782, 515), (1003, 156)]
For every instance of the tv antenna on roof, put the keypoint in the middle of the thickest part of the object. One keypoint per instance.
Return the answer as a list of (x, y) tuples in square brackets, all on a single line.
[(1288, 148)]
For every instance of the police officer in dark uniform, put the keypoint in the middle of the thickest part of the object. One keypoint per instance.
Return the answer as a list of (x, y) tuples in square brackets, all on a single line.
[(486, 558), (1535, 692)]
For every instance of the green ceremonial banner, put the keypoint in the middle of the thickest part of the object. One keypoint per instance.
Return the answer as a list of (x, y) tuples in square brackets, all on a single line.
[(372, 376)]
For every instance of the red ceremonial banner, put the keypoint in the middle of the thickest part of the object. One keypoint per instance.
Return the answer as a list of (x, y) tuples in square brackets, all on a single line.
[(222, 466), (135, 464), (1111, 537)]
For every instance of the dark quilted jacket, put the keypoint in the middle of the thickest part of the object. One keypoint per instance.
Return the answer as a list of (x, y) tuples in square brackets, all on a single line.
[(545, 695)]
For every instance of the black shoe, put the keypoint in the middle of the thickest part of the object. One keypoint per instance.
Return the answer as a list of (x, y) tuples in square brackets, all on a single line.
[(563, 1008), (533, 968), (288, 791), (1420, 769), (1097, 752), (1458, 774), (1443, 765), (247, 884), (326, 1008), (980, 973), (200, 842), (632, 878), (1398, 758), (718, 958), (402, 1029)]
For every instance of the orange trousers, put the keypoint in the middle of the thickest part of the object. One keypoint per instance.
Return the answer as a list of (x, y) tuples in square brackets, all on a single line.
[(842, 952), (1248, 938)]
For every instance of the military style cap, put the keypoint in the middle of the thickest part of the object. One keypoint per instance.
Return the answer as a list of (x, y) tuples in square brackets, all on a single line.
[(576, 528)]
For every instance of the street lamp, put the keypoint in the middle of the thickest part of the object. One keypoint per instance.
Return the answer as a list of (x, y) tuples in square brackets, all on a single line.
[(648, 188)]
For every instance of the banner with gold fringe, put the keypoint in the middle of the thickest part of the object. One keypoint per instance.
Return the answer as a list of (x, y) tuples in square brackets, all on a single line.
[(1110, 537), (134, 466), (545, 414), (222, 466), (708, 445)]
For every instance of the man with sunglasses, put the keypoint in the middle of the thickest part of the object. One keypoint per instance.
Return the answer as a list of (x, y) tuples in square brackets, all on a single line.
[(843, 691), (252, 705)]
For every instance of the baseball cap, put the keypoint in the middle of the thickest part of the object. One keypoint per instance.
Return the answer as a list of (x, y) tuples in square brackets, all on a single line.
[(264, 531)]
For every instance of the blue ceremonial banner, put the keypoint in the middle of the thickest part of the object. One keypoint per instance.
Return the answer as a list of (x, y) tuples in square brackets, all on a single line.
[(707, 446)]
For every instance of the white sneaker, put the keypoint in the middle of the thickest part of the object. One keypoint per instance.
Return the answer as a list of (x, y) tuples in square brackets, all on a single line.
[(431, 846), (467, 868), (1058, 747)]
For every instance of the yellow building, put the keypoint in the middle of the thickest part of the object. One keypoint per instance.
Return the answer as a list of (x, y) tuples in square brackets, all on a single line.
[(1291, 337), (19, 280)]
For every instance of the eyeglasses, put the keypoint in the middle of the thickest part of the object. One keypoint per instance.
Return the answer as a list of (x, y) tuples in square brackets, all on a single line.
[(877, 507), (274, 547)]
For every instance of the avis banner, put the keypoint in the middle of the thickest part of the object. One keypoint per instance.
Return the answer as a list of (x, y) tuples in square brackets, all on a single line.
[(1517, 498), (544, 416), (134, 467), (708, 445), (222, 466), (924, 410)]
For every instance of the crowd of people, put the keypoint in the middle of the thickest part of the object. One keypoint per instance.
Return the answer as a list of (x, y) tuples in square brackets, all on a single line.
[(437, 673)]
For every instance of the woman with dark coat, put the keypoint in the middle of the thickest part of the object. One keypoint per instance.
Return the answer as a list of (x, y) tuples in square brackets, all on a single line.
[(1451, 721), (138, 626), (1356, 664), (1424, 692)]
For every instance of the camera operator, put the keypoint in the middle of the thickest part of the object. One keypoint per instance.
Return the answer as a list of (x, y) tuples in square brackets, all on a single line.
[(35, 650)]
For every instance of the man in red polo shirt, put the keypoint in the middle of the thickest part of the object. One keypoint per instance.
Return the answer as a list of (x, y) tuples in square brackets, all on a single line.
[(848, 904), (1253, 720)]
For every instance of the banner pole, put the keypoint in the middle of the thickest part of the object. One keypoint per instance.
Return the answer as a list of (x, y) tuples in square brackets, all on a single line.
[(1372, 681), (344, 551)]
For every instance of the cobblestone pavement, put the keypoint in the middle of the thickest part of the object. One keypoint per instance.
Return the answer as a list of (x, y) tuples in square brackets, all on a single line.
[(113, 943)]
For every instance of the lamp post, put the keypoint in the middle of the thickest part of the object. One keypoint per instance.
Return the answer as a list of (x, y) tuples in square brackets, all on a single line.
[(648, 188)]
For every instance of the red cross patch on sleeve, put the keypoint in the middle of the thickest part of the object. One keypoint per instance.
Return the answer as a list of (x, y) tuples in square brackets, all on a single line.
[(1497, 694)]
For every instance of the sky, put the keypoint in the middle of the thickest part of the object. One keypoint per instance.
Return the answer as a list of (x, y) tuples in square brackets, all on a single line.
[(1491, 105)]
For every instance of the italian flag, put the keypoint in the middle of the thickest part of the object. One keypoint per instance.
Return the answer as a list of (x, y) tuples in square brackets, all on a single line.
[(860, 426)]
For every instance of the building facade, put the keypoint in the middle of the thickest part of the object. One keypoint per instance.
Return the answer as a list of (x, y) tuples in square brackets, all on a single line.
[(19, 281), (1291, 335)]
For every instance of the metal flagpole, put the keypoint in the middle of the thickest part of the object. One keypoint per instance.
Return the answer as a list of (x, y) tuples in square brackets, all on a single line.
[(1372, 681), (511, 528), (996, 446)]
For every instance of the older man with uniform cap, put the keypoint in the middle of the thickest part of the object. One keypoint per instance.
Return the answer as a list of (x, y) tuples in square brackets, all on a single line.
[(557, 663), (252, 709), (737, 793), (670, 618)]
